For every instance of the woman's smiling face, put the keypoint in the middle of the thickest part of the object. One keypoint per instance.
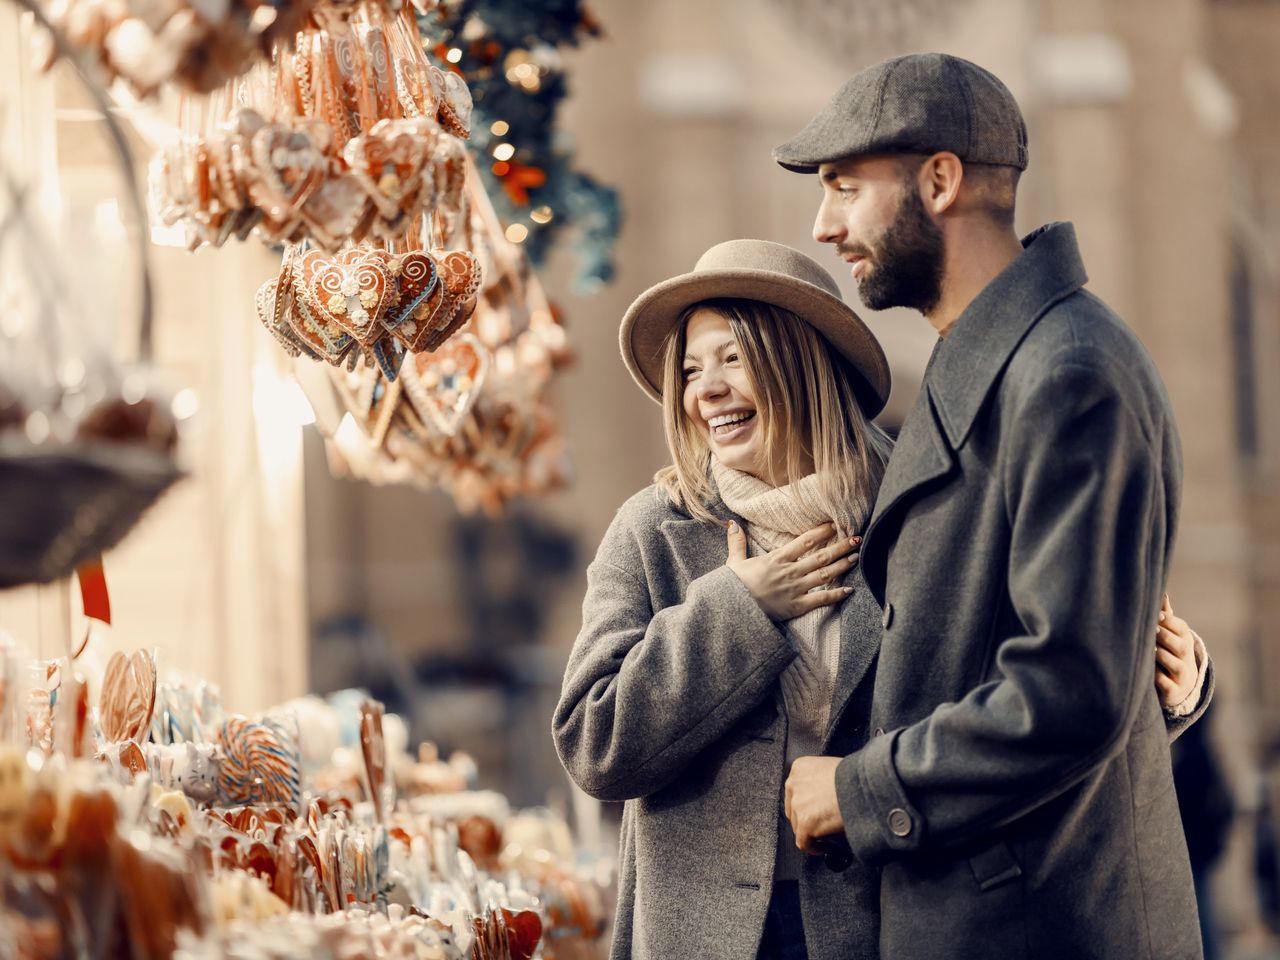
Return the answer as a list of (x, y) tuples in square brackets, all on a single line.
[(718, 398)]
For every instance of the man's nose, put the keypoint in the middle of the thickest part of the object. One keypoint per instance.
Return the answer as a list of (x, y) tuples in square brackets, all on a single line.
[(826, 227)]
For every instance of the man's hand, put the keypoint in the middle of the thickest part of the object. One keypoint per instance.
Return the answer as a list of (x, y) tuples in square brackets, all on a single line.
[(811, 803)]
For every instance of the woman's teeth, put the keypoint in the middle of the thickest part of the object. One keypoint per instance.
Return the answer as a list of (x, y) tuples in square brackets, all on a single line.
[(729, 422)]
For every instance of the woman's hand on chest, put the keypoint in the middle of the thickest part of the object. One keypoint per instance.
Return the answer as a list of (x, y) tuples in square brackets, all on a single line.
[(785, 582)]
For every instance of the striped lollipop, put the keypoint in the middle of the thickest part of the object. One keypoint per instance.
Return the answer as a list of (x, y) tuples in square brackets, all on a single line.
[(260, 763)]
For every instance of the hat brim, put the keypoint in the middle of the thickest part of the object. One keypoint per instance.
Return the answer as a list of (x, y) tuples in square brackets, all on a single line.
[(826, 139), (796, 155), (649, 321)]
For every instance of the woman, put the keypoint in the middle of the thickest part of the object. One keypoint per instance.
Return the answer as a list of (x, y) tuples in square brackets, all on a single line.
[(706, 665)]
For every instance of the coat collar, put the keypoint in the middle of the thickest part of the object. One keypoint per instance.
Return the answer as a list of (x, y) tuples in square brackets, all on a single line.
[(964, 367), (969, 359), (714, 504)]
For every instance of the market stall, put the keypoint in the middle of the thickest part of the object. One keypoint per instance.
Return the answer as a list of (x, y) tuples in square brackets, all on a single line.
[(316, 153)]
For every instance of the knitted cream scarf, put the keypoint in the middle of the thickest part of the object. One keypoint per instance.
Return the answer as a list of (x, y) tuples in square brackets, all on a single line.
[(774, 517)]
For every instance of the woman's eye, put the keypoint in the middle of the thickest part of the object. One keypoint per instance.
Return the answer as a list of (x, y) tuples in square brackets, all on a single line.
[(689, 372), (731, 358)]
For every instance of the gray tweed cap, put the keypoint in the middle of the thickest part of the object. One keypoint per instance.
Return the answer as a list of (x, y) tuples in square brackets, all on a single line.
[(921, 103)]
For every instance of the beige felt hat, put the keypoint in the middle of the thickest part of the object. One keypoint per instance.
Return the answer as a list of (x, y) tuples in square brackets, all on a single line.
[(753, 270)]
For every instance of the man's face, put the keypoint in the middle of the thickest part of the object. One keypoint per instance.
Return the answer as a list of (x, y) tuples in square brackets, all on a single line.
[(872, 211)]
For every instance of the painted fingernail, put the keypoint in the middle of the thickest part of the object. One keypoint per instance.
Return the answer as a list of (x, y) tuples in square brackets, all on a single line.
[(855, 540), (733, 527), (848, 590), (1162, 617)]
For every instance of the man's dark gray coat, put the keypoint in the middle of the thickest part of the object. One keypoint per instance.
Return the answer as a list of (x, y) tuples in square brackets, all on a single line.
[(1020, 801)]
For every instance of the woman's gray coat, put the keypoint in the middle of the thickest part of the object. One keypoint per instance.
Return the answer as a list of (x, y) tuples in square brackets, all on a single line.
[(671, 702)]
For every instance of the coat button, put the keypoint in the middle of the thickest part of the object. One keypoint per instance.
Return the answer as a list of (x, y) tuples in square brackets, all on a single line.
[(888, 616), (878, 732), (899, 822)]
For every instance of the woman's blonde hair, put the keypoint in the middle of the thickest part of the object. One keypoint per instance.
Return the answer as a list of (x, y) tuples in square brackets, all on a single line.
[(807, 405)]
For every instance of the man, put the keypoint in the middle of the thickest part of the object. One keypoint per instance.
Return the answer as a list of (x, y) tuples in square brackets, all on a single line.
[(1016, 791)]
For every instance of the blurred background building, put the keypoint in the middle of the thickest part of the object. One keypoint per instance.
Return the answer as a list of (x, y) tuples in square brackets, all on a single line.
[(1154, 127)]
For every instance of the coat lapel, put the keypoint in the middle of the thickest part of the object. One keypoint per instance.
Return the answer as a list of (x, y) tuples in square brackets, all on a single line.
[(698, 547), (971, 358), (962, 372), (921, 456), (859, 644)]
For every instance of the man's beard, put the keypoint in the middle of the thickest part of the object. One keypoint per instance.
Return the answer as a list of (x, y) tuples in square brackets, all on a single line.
[(908, 261)]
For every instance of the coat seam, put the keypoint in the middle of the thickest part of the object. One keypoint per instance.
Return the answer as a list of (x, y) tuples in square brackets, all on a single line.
[(1137, 859)]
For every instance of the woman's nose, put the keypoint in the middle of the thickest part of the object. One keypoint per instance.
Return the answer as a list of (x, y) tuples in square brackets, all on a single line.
[(712, 383)]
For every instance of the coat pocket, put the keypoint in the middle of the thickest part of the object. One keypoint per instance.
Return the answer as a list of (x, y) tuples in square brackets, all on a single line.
[(994, 866)]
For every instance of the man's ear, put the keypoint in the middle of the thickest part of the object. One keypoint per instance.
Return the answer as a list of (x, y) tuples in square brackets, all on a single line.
[(940, 177)]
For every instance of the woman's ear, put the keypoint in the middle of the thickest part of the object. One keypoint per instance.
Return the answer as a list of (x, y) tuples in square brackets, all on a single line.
[(940, 179)]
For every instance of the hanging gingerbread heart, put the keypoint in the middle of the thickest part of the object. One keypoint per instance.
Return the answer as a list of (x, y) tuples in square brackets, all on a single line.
[(459, 272), (449, 177), (421, 295), (459, 318), (338, 45), (378, 72), (335, 210), (276, 321), (388, 162), (226, 184), (454, 98), (413, 88), (443, 386), (353, 289), (331, 342), (460, 276), (290, 162)]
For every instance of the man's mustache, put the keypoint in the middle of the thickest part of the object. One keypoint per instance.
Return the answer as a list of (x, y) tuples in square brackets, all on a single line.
[(853, 251)]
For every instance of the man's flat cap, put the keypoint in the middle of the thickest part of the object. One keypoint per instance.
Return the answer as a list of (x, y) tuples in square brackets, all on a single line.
[(922, 103)]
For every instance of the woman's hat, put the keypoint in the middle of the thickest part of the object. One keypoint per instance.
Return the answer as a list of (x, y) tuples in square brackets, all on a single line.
[(753, 270)]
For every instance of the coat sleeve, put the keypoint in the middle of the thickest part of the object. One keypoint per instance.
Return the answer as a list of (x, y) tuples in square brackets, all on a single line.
[(1176, 722), (1088, 517), (646, 691)]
